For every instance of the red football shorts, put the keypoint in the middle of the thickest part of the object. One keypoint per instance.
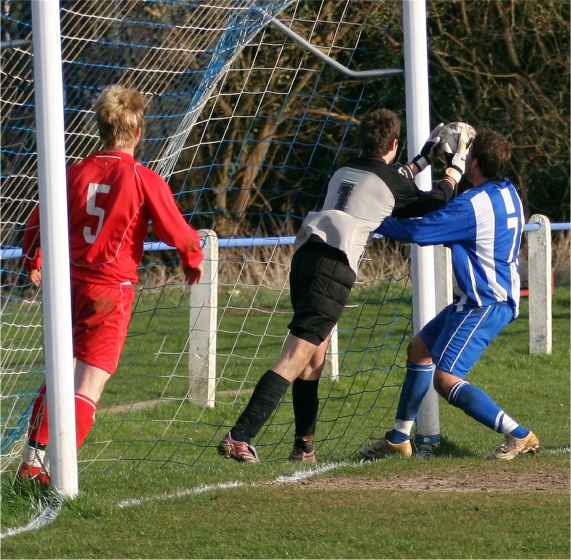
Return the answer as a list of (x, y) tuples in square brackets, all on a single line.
[(101, 316)]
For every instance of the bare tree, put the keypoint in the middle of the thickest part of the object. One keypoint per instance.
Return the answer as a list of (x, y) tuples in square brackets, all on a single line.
[(504, 64)]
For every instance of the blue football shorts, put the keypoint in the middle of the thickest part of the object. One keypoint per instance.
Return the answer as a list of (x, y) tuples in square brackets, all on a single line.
[(457, 339)]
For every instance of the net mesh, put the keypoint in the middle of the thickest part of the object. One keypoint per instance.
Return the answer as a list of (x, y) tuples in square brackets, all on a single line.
[(247, 125)]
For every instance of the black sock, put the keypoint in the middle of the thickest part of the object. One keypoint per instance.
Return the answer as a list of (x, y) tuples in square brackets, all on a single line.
[(264, 400), (37, 445), (305, 407)]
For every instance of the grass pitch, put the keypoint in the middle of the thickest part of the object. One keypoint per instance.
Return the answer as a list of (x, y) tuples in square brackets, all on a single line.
[(455, 505)]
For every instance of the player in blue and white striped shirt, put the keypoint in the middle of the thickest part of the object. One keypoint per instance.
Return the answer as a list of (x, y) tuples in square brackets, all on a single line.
[(483, 228)]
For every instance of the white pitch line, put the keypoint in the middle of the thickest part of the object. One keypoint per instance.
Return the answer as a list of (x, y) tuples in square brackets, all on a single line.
[(290, 479), (560, 450), (50, 513), (44, 517), (305, 474), (182, 493)]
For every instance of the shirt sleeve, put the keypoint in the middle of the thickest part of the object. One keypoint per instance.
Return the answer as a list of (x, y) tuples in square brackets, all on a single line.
[(414, 202), (454, 223), (31, 250), (168, 223)]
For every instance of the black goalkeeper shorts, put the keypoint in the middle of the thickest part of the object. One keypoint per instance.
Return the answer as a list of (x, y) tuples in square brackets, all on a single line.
[(320, 282)]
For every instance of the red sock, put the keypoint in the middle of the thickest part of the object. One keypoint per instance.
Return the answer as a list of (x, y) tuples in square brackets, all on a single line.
[(84, 416), (38, 430)]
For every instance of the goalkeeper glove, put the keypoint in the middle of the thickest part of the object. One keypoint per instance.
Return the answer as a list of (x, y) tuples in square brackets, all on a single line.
[(456, 160), (422, 160)]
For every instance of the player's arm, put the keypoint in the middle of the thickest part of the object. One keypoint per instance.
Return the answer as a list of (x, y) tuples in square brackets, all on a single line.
[(35, 276), (410, 200), (192, 274), (424, 158), (31, 250), (171, 227), (453, 141), (453, 223), (418, 203)]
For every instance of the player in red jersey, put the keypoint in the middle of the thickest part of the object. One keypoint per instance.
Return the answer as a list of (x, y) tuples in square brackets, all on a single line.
[(111, 199)]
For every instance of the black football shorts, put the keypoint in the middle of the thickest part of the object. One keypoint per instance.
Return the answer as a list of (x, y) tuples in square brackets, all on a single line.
[(320, 282)]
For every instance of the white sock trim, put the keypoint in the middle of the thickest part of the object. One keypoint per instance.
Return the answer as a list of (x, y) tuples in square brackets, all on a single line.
[(404, 426), (505, 424), (34, 457)]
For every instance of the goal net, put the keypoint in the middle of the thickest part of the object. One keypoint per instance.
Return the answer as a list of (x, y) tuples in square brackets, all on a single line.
[(247, 122)]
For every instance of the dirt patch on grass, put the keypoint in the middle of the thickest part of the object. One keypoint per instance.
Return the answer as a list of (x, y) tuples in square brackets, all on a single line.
[(537, 480)]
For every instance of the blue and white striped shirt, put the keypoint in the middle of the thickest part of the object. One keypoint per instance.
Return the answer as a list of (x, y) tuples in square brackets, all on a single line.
[(483, 228)]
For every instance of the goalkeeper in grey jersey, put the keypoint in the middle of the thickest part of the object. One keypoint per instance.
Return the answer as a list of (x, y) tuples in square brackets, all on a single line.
[(360, 195)]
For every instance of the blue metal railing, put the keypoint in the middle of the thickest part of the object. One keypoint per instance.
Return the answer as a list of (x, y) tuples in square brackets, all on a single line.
[(16, 252)]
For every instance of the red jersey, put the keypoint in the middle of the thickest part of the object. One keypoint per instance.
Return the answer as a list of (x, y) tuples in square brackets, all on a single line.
[(111, 199)]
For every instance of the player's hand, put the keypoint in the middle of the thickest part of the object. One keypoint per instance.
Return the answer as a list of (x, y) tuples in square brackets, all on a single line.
[(193, 275), (35, 277), (456, 160), (423, 159)]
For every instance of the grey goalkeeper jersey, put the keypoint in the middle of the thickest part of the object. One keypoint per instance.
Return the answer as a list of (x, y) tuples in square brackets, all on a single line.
[(360, 195)]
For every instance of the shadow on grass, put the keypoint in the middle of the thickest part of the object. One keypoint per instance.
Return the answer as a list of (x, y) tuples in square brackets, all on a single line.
[(449, 449)]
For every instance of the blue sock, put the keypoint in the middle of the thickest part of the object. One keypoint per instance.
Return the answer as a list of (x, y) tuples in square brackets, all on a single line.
[(479, 406), (416, 384)]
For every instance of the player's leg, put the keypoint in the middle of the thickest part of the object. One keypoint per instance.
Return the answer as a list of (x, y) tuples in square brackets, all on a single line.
[(91, 380), (418, 378), (34, 462), (89, 384), (101, 316), (320, 282), (320, 286), (468, 334), (269, 391), (415, 386), (305, 400), (101, 320), (266, 397), (272, 386)]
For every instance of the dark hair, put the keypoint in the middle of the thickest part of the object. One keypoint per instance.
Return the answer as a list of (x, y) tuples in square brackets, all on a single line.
[(378, 130), (493, 154)]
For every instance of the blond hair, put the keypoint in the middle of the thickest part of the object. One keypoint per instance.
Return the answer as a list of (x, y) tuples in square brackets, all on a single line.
[(119, 113)]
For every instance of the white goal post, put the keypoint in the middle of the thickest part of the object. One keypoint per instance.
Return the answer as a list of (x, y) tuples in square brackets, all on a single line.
[(418, 129), (57, 329)]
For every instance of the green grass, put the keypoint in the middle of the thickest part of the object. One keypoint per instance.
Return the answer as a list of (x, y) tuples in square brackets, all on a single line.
[(326, 517), (299, 521)]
